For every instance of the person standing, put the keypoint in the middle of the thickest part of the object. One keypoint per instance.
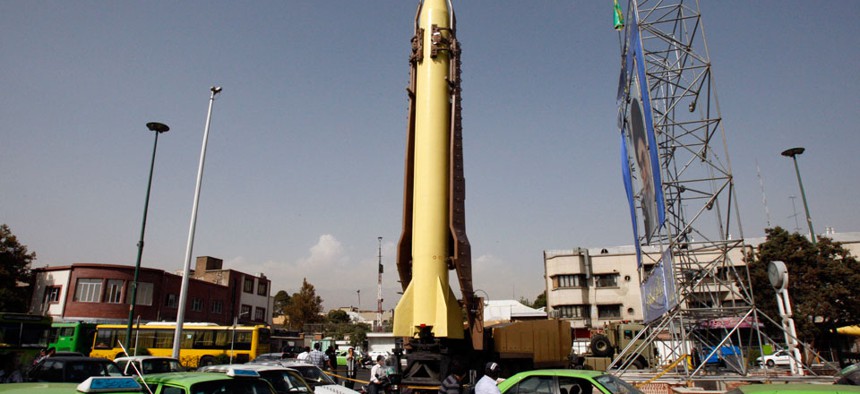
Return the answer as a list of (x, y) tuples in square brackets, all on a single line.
[(351, 371), (318, 358), (377, 376), (487, 383), (303, 356), (452, 383)]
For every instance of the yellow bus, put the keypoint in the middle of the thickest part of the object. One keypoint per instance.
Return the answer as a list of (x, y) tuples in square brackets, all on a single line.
[(201, 342)]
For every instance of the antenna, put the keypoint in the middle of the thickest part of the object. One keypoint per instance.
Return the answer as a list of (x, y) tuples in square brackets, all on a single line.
[(763, 195), (794, 208)]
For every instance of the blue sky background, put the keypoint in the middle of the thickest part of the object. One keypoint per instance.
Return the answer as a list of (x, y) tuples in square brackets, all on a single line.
[(304, 168)]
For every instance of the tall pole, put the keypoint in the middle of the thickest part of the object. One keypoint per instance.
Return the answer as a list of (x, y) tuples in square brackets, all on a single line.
[(158, 128), (379, 290), (793, 152), (183, 293)]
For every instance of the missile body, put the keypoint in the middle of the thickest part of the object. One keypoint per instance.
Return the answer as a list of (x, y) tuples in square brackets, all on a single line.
[(432, 242)]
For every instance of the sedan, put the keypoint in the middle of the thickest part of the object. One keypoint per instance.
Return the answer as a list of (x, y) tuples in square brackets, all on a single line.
[(71, 369), (565, 381)]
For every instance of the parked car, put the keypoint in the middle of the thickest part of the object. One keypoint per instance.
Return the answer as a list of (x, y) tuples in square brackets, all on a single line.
[(794, 388), (565, 381), (147, 365), (95, 384), (284, 380), (71, 369), (235, 381), (314, 376), (269, 357), (780, 357)]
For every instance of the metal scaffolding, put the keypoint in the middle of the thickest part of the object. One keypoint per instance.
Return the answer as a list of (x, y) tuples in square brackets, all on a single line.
[(712, 310)]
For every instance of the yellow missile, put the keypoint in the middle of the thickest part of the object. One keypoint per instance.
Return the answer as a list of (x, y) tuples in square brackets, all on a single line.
[(425, 250)]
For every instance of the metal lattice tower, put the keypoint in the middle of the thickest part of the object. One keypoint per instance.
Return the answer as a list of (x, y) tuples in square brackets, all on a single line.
[(714, 304)]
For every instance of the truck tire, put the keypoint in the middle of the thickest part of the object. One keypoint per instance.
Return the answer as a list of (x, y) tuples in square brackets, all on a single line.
[(601, 346)]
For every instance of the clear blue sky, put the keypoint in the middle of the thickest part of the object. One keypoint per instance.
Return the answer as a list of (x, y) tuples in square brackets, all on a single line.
[(305, 162)]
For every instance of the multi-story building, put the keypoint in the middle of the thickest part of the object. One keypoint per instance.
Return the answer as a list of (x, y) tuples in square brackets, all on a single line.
[(252, 293), (102, 293), (591, 287)]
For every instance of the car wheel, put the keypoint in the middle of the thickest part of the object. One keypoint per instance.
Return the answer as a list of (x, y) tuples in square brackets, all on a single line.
[(601, 346), (770, 363), (206, 360)]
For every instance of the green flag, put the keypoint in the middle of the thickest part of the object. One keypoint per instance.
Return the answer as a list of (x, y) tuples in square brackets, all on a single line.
[(619, 17)]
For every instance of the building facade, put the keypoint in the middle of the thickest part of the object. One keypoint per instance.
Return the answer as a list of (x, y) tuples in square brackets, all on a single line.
[(102, 293), (592, 287)]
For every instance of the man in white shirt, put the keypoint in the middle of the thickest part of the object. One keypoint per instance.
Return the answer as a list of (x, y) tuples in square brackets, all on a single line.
[(303, 356), (377, 376), (487, 383)]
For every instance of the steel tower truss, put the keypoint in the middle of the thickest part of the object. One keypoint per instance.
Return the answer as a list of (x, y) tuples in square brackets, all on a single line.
[(714, 304)]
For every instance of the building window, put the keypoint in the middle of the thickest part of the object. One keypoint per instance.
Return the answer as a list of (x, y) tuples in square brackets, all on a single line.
[(170, 301), (607, 280), (249, 285), (144, 293), (114, 291), (263, 288), (577, 280), (217, 306), (52, 294), (197, 305), (572, 311), (88, 290), (245, 312), (260, 314), (608, 311)]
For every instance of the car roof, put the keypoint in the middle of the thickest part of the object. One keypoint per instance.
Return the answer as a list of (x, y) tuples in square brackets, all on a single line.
[(42, 388), (251, 367), (798, 388), (183, 378), (141, 358), (78, 359), (579, 373)]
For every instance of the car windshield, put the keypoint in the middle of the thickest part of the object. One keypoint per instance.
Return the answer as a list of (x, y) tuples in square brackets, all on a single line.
[(237, 386), (616, 386), (314, 376), (286, 381)]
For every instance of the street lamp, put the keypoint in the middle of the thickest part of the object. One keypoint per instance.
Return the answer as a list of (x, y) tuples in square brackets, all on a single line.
[(158, 128), (792, 153), (233, 340)]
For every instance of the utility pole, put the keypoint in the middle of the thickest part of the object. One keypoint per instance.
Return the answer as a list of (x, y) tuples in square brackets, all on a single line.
[(379, 290)]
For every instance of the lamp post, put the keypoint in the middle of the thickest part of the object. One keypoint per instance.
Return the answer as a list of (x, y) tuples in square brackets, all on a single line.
[(186, 271), (792, 153), (233, 340), (158, 128)]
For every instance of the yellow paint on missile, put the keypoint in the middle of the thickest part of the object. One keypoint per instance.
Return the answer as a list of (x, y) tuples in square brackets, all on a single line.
[(428, 299)]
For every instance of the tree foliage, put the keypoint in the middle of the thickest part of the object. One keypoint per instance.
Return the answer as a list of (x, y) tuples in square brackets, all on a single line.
[(282, 299), (304, 307), (540, 301), (15, 263), (823, 282), (337, 316)]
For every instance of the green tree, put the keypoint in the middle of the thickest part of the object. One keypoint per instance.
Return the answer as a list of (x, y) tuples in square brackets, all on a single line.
[(337, 316), (304, 306), (282, 299), (823, 279), (14, 271), (540, 301)]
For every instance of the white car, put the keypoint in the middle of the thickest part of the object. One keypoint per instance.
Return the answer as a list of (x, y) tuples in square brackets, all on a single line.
[(780, 357), (148, 364)]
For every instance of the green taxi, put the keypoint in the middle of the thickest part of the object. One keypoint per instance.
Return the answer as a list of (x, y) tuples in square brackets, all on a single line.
[(794, 388), (96, 384), (565, 381), (234, 381)]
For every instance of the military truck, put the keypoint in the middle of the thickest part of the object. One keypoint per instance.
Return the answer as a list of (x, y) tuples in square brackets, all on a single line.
[(608, 343)]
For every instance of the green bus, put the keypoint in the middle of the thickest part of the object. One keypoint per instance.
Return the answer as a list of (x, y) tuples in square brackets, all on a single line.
[(22, 336), (72, 337)]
